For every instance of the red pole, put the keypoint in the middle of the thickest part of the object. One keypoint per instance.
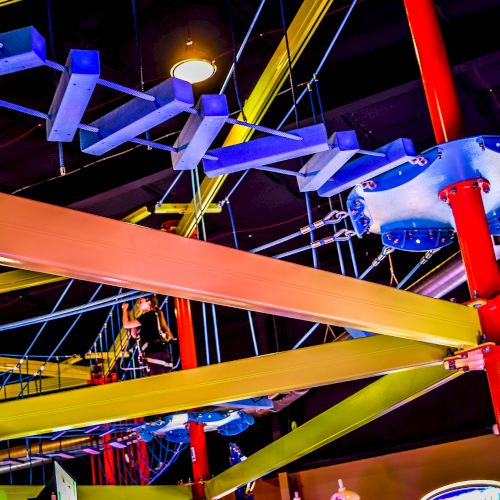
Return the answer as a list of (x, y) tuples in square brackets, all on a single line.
[(465, 197), (198, 443), (108, 458), (437, 77)]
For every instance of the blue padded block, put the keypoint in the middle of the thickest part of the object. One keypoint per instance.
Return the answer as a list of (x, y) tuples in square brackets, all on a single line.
[(21, 49), (366, 167), (135, 117), (322, 166), (269, 149), (200, 131), (73, 94)]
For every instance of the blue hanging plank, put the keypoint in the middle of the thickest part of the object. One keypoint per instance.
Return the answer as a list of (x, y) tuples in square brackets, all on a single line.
[(365, 168), (200, 131), (73, 94), (135, 117), (21, 49), (270, 149), (322, 166)]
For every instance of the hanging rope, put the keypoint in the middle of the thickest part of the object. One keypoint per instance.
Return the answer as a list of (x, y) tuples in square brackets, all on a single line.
[(233, 41)]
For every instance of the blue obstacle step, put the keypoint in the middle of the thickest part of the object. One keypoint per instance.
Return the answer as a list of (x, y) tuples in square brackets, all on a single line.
[(74, 90), (135, 117), (21, 49), (270, 149)]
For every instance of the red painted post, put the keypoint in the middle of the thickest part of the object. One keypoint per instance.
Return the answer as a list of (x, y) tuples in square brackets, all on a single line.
[(108, 458), (142, 461), (189, 360), (437, 78), (465, 197)]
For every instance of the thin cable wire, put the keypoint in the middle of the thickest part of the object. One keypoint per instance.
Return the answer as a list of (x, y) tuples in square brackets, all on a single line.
[(242, 46), (42, 328), (322, 62)]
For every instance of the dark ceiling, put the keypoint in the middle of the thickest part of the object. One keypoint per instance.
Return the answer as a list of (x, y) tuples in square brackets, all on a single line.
[(370, 84)]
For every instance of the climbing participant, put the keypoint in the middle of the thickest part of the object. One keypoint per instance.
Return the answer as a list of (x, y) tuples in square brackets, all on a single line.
[(154, 334)]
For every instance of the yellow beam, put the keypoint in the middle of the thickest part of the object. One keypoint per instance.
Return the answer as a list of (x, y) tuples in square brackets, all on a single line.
[(17, 280), (231, 381), (300, 31), (50, 384), (57, 240), (184, 208), (106, 492), (137, 216), (372, 402), (31, 367)]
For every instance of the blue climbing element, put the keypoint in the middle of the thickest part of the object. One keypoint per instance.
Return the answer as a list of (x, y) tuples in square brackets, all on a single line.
[(178, 435), (199, 131), (271, 149), (324, 165), (74, 90), (135, 117), (403, 205), (21, 49), (366, 167), (175, 428), (237, 425), (235, 457)]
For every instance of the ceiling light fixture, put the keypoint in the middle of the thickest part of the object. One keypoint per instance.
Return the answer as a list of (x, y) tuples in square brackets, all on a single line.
[(195, 67)]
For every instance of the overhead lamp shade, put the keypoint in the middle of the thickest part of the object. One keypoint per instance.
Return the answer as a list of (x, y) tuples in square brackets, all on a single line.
[(194, 65)]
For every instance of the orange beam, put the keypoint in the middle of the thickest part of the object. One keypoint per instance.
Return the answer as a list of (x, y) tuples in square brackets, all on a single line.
[(65, 242)]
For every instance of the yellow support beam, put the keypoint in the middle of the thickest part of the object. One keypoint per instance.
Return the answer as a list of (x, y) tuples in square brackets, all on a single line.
[(57, 240), (49, 384), (20, 279), (379, 398), (300, 31), (231, 381), (32, 366), (135, 217), (184, 208), (106, 492)]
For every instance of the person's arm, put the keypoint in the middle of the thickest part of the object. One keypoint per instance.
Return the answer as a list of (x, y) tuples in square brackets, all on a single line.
[(126, 321), (164, 327)]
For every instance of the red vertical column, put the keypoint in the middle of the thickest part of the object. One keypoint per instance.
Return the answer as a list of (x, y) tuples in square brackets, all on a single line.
[(187, 349), (442, 99), (465, 197), (108, 458), (142, 457)]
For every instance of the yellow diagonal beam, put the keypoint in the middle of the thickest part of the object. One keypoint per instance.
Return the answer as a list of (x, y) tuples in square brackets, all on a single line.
[(17, 280), (108, 492), (49, 384), (372, 402), (300, 31), (184, 208), (57, 240), (49, 369), (231, 381)]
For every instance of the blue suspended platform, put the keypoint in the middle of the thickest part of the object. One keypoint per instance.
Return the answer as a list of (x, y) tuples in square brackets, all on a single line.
[(403, 204)]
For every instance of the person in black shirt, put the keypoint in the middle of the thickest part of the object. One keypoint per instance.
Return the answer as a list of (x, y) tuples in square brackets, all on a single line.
[(152, 329)]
